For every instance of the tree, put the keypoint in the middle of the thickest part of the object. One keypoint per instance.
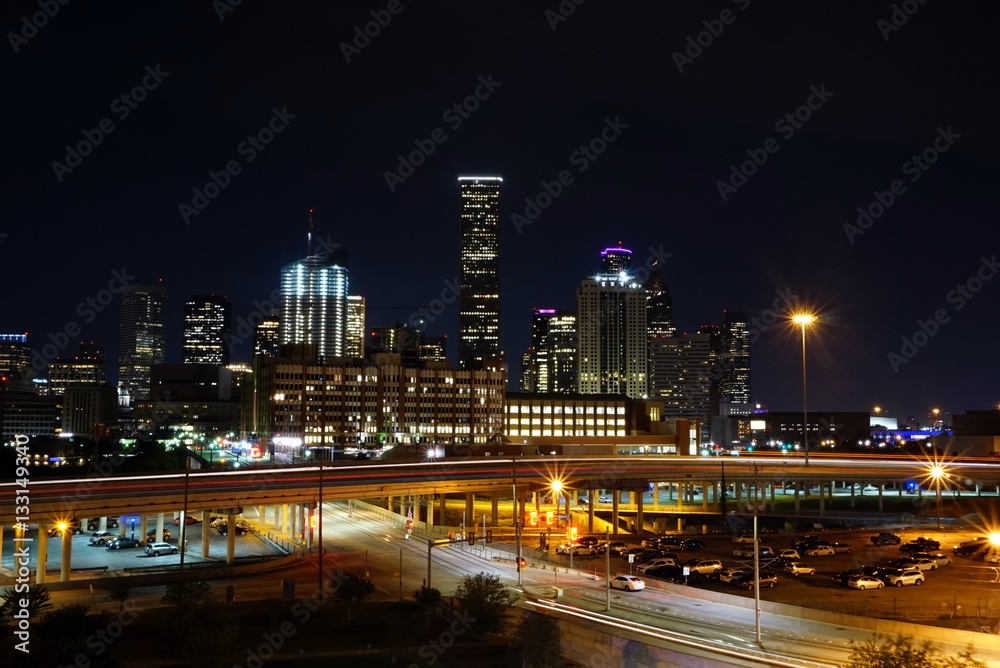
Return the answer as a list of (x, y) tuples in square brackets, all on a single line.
[(485, 599), (427, 598), (882, 651), (353, 588), (37, 599), (541, 640), (118, 590), (186, 591)]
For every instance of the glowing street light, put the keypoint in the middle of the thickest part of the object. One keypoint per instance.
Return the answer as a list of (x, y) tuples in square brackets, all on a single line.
[(803, 319), (938, 474)]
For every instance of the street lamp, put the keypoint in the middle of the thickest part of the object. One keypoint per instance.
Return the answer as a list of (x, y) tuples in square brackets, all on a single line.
[(802, 320), (938, 474), (557, 488)]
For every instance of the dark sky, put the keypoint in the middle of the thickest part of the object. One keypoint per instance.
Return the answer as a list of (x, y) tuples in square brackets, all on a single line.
[(654, 187)]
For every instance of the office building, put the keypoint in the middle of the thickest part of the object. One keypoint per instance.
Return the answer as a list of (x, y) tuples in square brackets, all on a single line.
[(612, 336), (142, 340), (207, 329), (616, 260), (433, 348), (659, 303), (370, 405), (15, 363), (551, 361), (265, 337), (314, 305), (734, 359), (681, 376), (89, 366), (400, 339), (89, 410), (479, 269), (355, 326)]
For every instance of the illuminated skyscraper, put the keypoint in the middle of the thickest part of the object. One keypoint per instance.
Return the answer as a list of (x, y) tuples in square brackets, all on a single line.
[(142, 340), (88, 367), (207, 328), (314, 305), (355, 326), (659, 303), (479, 279), (615, 260), (734, 359), (265, 337), (681, 375), (612, 335), (15, 362), (552, 358)]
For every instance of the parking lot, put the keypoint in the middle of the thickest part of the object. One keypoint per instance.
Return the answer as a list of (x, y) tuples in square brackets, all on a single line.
[(964, 594), (87, 557)]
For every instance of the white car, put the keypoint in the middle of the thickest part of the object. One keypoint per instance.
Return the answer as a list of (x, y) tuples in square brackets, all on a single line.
[(869, 489), (798, 568), (939, 558), (156, 549), (627, 583), (923, 564), (604, 498), (821, 551), (734, 574), (905, 577), (865, 582), (743, 538), (789, 554), (656, 563)]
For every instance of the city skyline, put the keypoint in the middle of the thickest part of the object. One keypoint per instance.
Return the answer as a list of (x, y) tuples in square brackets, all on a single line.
[(762, 179)]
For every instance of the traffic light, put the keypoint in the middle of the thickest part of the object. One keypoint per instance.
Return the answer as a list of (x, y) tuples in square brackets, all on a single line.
[(489, 535), (572, 533), (472, 538), (521, 563), (409, 526)]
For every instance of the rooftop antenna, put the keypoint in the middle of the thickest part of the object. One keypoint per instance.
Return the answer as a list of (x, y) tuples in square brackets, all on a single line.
[(309, 235)]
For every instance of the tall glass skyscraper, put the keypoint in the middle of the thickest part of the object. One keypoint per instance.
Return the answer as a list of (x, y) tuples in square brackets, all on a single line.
[(207, 329), (142, 341), (551, 362), (612, 333), (479, 270), (734, 358), (265, 337), (314, 305), (355, 326)]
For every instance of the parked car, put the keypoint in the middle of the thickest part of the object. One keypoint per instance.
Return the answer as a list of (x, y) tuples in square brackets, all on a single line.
[(971, 547), (802, 542), (886, 538), (841, 547), (92, 524), (242, 530), (656, 563), (747, 552), (691, 544), (863, 582), (939, 558), (898, 577), (616, 548), (820, 551), (627, 583), (870, 489), (592, 541), (923, 564), (101, 537), (843, 577), (928, 543), (151, 535), (188, 519), (156, 549), (733, 575), (767, 579), (121, 542), (743, 538), (799, 568), (789, 554), (704, 566), (604, 498)]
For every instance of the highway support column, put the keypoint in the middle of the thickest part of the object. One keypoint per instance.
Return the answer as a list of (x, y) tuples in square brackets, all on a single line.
[(43, 554), (66, 556)]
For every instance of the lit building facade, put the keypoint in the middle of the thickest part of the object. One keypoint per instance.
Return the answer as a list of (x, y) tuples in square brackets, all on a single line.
[(612, 336), (88, 367), (659, 303), (265, 337), (479, 269), (371, 405), (681, 373), (355, 326), (734, 359), (142, 340), (551, 361), (433, 348), (539, 415), (15, 354), (314, 305), (207, 329), (89, 410)]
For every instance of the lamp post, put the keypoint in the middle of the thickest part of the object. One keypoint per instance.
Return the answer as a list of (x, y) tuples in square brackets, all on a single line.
[(938, 474), (802, 320)]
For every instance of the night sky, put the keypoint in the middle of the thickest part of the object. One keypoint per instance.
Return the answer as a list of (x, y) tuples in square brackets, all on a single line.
[(548, 85)]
